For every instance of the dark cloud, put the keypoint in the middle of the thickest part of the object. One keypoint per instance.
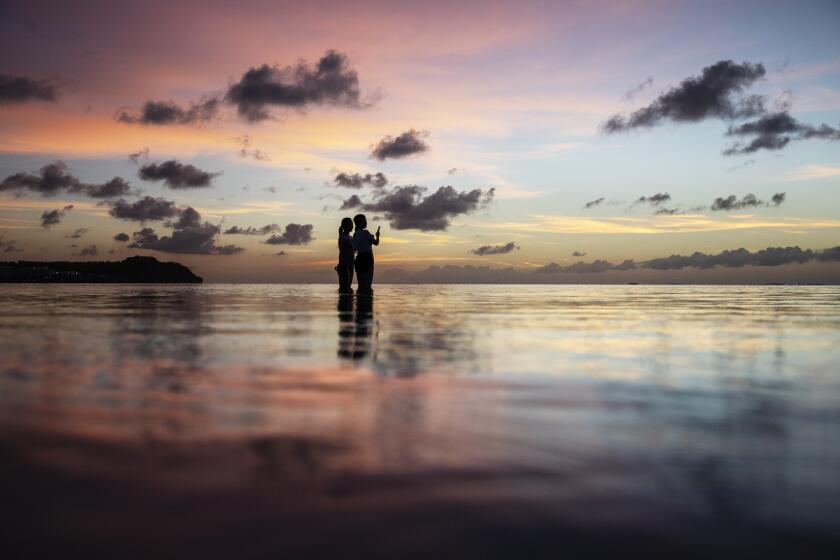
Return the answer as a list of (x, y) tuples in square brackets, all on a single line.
[(636, 90), (667, 212), (135, 157), (20, 89), (247, 151), (8, 245), (112, 189), (50, 218), (281, 254), (654, 199), (76, 234), (771, 256), (145, 209), (774, 132), (700, 97), (578, 254), (295, 234), (54, 178), (89, 251), (169, 112), (189, 236), (330, 82), (495, 249), (122, 237), (236, 230), (580, 267), (731, 202), (176, 175), (357, 180), (353, 202), (406, 207), (452, 171), (406, 144), (593, 203)]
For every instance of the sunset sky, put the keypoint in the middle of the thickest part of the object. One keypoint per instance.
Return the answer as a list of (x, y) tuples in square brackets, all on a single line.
[(567, 132)]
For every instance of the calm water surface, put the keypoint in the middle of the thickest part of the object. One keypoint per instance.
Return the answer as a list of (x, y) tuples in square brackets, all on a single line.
[(510, 421)]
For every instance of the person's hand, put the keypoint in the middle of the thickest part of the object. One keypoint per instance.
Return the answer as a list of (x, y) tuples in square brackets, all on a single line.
[(377, 230)]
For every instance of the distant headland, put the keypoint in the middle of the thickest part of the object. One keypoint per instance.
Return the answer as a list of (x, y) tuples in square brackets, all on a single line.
[(131, 270)]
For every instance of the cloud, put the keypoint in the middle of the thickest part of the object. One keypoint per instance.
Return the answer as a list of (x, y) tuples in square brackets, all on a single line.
[(731, 202), (666, 212), (774, 132), (145, 209), (330, 82), (699, 97), (357, 181), (809, 172), (495, 249), (295, 234), (353, 202), (8, 245), (452, 171), (50, 218), (89, 251), (406, 207), (246, 151), (176, 175), (21, 89), (594, 203), (76, 234), (169, 112), (135, 157), (236, 230), (771, 256), (578, 254), (122, 237), (636, 90), (189, 236), (406, 144), (281, 254), (54, 178), (654, 199)]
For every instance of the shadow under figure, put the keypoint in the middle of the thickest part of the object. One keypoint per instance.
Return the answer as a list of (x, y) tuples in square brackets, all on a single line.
[(363, 242)]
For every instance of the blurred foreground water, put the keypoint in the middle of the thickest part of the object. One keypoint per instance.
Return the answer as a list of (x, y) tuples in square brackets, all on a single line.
[(256, 421)]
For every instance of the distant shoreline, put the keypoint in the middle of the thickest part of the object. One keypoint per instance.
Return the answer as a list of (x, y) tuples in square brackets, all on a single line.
[(133, 270)]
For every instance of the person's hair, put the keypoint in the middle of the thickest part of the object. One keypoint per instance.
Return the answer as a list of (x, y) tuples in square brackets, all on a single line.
[(360, 221), (347, 224)]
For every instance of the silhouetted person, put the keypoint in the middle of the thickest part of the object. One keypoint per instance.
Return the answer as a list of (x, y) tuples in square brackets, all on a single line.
[(363, 242), (345, 257)]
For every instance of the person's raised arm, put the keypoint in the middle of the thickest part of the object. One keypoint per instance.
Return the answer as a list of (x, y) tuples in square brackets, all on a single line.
[(375, 240)]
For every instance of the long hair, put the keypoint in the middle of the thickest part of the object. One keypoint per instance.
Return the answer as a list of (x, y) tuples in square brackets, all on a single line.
[(346, 225)]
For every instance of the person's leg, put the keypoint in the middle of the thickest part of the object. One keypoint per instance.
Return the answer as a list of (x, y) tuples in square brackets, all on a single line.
[(370, 276), (363, 271), (344, 276)]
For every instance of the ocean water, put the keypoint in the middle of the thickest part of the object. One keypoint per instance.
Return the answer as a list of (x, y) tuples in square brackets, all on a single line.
[(264, 421)]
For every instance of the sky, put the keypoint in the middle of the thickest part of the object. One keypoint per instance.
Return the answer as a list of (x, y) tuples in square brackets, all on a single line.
[(490, 141)]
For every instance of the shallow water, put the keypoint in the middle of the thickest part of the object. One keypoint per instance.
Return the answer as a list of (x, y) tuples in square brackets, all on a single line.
[(254, 420)]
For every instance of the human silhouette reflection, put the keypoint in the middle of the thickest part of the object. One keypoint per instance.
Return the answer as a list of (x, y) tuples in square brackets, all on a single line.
[(355, 328)]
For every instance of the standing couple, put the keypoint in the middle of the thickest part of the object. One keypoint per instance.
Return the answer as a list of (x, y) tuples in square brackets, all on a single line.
[(361, 242)]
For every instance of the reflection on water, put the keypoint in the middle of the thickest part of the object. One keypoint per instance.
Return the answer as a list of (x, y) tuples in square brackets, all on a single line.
[(488, 416)]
